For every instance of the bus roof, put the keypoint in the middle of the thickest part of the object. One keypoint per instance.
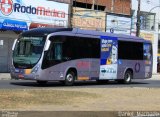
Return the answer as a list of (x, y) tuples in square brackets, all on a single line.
[(120, 36), (46, 31)]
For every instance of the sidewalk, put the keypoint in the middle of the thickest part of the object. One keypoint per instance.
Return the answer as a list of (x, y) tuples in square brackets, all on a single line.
[(156, 76), (6, 76)]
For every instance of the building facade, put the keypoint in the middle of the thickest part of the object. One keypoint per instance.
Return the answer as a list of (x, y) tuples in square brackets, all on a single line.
[(103, 15)]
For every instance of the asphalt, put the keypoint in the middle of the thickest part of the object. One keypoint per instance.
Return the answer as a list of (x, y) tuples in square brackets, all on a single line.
[(7, 83), (6, 76)]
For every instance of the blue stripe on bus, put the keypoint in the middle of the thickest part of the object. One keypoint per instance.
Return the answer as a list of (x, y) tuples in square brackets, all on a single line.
[(106, 37)]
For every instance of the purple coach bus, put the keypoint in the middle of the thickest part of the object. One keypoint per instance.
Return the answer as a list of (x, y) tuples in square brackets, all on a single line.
[(68, 55)]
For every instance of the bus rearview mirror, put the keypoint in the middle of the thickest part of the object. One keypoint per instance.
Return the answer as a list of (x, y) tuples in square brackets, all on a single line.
[(47, 45), (14, 44)]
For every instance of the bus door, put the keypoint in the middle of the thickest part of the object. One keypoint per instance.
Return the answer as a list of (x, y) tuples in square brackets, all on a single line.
[(108, 60), (54, 57)]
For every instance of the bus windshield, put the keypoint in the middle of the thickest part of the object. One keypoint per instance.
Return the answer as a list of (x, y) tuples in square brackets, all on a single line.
[(28, 51)]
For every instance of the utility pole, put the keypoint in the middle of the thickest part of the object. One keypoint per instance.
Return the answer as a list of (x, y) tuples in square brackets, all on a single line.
[(70, 15), (138, 19), (93, 4)]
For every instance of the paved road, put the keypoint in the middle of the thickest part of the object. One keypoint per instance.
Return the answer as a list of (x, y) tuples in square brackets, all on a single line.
[(23, 84)]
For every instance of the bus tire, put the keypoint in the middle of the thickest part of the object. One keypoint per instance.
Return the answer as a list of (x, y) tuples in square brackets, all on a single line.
[(40, 82), (127, 77), (69, 79)]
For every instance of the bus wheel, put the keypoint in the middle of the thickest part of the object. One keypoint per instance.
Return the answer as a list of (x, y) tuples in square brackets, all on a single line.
[(41, 82), (70, 77), (128, 77)]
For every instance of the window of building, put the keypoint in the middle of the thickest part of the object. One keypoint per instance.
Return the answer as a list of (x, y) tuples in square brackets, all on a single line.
[(88, 6), (147, 21), (99, 7), (82, 5)]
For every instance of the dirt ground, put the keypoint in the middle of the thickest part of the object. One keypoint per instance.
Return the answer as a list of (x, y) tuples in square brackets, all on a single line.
[(82, 99)]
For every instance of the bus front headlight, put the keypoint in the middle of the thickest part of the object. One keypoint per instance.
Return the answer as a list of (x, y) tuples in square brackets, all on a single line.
[(35, 69)]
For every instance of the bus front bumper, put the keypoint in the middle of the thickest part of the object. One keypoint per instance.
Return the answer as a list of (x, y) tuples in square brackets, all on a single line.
[(24, 76)]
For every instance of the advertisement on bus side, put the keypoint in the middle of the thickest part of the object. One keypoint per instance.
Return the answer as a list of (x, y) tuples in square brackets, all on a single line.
[(109, 50)]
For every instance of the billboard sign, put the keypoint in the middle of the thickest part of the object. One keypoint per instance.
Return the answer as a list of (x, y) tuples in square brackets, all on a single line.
[(29, 11), (119, 25), (88, 19), (147, 36)]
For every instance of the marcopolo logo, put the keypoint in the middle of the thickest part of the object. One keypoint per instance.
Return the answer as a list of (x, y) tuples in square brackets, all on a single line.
[(7, 7)]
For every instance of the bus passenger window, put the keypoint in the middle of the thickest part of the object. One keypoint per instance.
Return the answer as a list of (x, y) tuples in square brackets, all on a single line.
[(55, 52), (58, 51)]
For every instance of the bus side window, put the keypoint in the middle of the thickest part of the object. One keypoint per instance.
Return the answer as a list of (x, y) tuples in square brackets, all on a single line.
[(49, 54), (130, 50), (58, 51), (147, 51), (53, 56), (55, 51)]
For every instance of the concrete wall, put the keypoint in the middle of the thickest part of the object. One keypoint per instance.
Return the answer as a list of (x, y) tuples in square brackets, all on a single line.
[(6, 38)]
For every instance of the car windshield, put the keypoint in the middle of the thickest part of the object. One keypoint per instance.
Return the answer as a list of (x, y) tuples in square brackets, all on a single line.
[(28, 51)]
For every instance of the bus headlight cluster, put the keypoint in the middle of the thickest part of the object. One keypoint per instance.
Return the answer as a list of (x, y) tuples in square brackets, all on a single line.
[(35, 69)]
